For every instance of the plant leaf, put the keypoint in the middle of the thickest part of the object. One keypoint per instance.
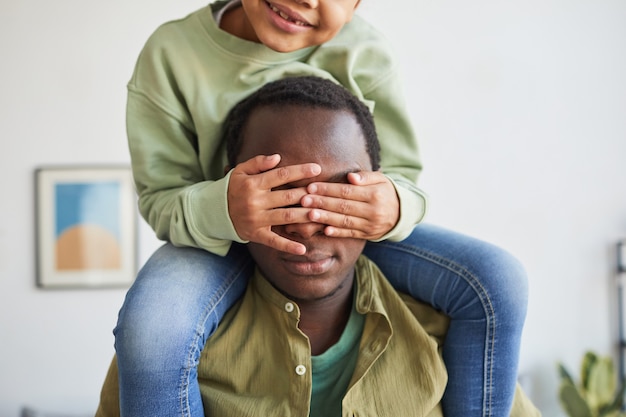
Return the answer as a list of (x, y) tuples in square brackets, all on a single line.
[(616, 404), (572, 402), (564, 374), (601, 384), (588, 362)]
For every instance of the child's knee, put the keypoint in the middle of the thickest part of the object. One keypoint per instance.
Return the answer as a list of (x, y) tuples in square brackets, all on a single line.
[(145, 340), (509, 285)]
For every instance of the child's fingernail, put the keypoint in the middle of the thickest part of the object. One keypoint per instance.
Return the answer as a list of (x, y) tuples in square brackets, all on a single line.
[(312, 188)]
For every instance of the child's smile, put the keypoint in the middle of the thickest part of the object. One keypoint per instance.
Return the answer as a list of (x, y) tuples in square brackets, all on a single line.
[(289, 25), (288, 15)]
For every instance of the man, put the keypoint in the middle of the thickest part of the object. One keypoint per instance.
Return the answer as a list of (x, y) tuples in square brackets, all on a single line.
[(323, 333)]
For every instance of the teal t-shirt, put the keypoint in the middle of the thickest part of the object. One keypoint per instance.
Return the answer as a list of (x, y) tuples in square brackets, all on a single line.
[(333, 369)]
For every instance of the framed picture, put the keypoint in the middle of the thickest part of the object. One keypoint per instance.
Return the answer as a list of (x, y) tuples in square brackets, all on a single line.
[(86, 227)]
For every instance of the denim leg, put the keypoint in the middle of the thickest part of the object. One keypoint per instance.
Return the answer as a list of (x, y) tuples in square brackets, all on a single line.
[(483, 290), (176, 302)]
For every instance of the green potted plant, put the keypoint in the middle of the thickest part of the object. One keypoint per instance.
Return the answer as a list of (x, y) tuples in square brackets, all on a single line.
[(596, 394)]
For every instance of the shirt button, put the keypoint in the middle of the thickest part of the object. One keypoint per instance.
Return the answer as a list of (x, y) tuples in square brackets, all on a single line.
[(289, 307), (301, 369)]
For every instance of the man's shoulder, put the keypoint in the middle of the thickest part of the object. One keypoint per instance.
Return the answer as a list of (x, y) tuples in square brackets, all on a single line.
[(522, 406), (435, 322), (375, 285)]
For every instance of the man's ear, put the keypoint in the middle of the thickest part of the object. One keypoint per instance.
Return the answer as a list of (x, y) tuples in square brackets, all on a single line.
[(226, 169)]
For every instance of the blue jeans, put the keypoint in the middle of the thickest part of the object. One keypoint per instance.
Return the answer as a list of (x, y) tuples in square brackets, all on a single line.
[(181, 294)]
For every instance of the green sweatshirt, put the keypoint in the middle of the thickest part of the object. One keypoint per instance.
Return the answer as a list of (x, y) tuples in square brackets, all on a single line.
[(188, 76)]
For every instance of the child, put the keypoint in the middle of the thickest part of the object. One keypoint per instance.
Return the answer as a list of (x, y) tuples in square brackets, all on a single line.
[(188, 76)]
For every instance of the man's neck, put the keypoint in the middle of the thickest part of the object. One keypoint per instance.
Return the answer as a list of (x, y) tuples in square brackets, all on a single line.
[(323, 321)]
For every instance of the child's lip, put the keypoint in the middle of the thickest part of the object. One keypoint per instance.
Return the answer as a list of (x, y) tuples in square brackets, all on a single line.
[(289, 14)]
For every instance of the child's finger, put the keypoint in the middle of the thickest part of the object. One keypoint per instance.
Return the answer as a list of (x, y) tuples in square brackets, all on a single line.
[(352, 207), (371, 226), (332, 231), (342, 221), (280, 243), (258, 164), (340, 191), (366, 177), (280, 176), (287, 215), (363, 186), (284, 198)]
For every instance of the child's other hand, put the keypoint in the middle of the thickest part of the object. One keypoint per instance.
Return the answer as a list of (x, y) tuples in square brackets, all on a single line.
[(254, 204), (366, 208)]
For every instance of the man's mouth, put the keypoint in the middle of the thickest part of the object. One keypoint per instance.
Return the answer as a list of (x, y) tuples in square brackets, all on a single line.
[(290, 18), (308, 265)]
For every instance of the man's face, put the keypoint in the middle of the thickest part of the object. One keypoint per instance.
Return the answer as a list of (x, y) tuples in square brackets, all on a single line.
[(332, 139)]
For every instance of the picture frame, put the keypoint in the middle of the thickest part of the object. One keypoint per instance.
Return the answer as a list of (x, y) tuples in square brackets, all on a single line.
[(86, 227)]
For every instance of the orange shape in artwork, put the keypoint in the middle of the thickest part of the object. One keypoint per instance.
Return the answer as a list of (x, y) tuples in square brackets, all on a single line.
[(87, 247)]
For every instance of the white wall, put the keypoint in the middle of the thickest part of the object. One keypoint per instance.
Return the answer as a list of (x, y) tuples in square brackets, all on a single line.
[(520, 107)]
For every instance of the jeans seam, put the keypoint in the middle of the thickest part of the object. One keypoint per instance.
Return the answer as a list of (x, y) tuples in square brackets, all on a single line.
[(209, 310), (486, 303)]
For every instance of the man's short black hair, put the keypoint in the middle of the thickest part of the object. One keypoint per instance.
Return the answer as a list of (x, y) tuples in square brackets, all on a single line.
[(305, 91)]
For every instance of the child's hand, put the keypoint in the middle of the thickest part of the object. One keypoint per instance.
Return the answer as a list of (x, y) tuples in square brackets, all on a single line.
[(254, 206), (366, 208)]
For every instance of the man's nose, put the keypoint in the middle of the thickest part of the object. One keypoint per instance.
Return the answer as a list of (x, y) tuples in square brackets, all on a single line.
[(304, 230)]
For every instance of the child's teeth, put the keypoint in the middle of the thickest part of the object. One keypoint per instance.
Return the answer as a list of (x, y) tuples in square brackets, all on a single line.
[(285, 16)]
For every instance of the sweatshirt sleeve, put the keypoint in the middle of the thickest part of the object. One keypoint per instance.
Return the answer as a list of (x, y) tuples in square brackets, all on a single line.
[(176, 198), (376, 73)]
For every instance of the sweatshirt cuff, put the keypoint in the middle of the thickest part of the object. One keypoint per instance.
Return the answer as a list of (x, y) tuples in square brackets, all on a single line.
[(413, 207), (206, 208)]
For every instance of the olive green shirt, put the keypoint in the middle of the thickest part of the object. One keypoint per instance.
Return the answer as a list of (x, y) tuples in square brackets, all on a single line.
[(190, 73), (258, 362)]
